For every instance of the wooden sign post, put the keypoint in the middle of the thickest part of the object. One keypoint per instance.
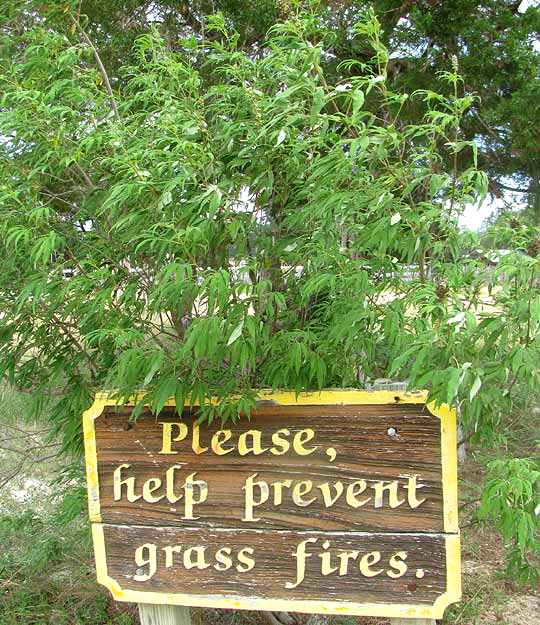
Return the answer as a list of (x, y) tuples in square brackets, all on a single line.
[(340, 502)]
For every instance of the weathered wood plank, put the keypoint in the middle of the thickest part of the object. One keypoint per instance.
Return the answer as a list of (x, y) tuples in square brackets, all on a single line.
[(272, 564), (357, 435), (333, 508)]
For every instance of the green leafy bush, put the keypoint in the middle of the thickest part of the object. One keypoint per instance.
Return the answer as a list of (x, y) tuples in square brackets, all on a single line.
[(215, 221)]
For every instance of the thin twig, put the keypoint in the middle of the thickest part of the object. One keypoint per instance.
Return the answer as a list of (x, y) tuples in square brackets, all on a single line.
[(86, 177), (13, 474), (469, 503), (100, 65), (528, 335), (67, 333), (26, 452), (37, 460)]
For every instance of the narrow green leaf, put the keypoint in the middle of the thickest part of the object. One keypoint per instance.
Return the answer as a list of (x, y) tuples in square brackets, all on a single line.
[(235, 334)]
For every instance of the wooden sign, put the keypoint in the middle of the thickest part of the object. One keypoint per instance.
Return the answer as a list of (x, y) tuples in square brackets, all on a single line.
[(339, 502)]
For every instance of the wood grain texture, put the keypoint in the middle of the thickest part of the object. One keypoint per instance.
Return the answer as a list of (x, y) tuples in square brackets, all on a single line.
[(275, 565), (359, 435), (379, 552), (164, 614)]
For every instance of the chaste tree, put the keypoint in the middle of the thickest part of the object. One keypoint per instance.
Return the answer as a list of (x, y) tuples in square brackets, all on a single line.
[(497, 43), (213, 219)]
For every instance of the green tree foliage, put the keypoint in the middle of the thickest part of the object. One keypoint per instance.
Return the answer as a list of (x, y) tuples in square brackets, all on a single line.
[(494, 41), (211, 220)]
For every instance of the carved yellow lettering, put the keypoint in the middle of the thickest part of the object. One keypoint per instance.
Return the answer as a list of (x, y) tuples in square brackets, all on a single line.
[(327, 496), (199, 562), (326, 567), (355, 489), (169, 552), (220, 437), (223, 558), (391, 487), (152, 484), (190, 486), (300, 555), (166, 447), (344, 558), (411, 487), (145, 555), (195, 440), (278, 490), (256, 446), (396, 562), (302, 437), (367, 562), (171, 497), (129, 482), (246, 563), (301, 489), (281, 445), (249, 498)]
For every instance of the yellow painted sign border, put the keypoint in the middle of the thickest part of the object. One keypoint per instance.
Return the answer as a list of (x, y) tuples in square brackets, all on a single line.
[(337, 397)]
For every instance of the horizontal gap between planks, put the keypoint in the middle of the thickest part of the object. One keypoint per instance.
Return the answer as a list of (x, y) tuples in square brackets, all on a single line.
[(274, 531)]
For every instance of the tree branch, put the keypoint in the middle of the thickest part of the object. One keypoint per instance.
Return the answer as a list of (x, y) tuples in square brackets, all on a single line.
[(100, 65), (85, 176), (11, 475), (391, 17), (469, 503), (531, 189), (65, 329)]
